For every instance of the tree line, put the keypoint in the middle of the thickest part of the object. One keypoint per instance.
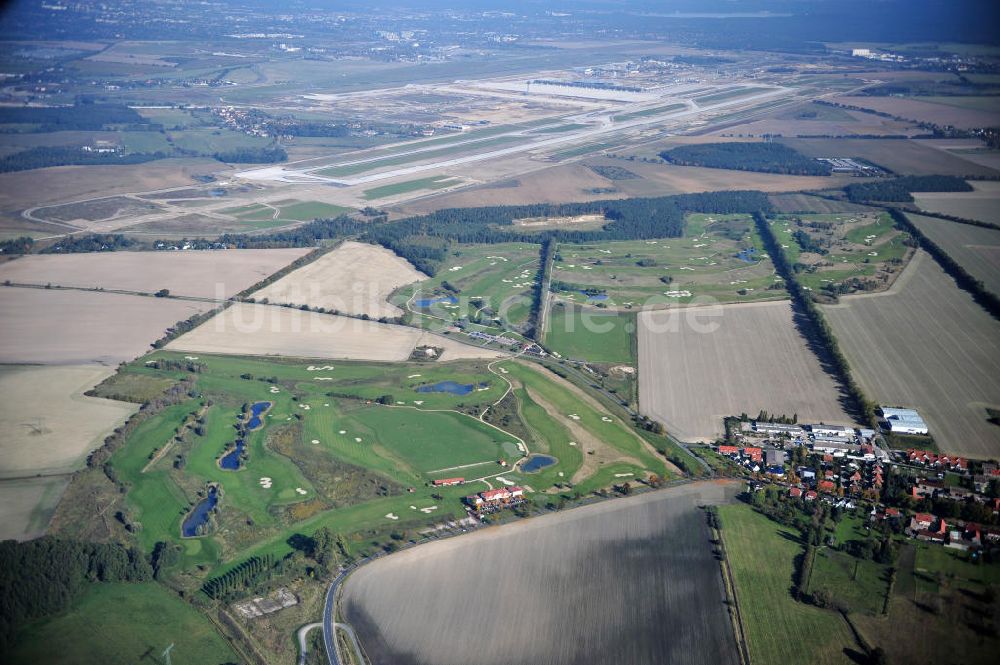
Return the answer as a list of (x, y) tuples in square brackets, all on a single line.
[(45, 156), (899, 189), (965, 280), (41, 577), (79, 117), (818, 327), (747, 156)]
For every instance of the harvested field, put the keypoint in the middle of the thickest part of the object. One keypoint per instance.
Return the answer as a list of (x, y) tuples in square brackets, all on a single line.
[(49, 425), (982, 204), (625, 581), (262, 330), (902, 156), (698, 365), (219, 274), (926, 344), (925, 111), (356, 278), (27, 505), (975, 248), (803, 203), (57, 327)]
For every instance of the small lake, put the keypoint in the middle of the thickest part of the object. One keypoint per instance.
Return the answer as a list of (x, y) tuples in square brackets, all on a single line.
[(452, 387), (231, 460), (199, 516), (537, 462), (430, 302), (255, 411), (747, 255)]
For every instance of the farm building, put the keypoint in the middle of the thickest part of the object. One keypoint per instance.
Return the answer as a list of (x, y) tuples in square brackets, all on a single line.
[(446, 482), (777, 429), (829, 431), (774, 457), (835, 448), (903, 421)]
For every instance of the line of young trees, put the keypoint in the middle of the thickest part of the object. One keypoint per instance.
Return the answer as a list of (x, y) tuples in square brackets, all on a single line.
[(818, 327), (244, 576), (965, 280), (536, 318), (41, 577)]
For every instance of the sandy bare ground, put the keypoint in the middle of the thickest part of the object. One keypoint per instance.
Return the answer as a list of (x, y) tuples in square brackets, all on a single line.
[(49, 425), (27, 504), (264, 330), (627, 581), (982, 204), (698, 365), (926, 344), (356, 278), (78, 327), (977, 249), (216, 274)]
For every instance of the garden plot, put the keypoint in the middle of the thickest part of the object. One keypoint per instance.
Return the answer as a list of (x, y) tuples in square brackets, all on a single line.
[(927, 345), (555, 589), (356, 278), (719, 257), (216, 274), (975, 248), (699, 365), (263, 330)]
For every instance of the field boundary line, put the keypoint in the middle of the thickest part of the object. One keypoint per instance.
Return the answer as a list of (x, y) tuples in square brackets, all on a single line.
[(729, 584)]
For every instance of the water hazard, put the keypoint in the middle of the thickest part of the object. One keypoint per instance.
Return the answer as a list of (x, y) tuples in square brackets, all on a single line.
[(197, 519), (231, 460), (537, 462)]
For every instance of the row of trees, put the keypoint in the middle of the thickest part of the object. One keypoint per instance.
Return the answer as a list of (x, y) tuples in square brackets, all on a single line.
[(818, 328), (541, 287), (79, 117), (746, 156), (45, 156), (41, 577), (244, 576), (899, 189)]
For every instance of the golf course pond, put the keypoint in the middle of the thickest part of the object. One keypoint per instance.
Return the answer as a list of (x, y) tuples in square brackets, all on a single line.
[(537, 463), (198, 517), (231, 460), (452, 387)]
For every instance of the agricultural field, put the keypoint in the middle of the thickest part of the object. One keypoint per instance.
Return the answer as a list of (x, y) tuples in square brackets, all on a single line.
[(49, 424), (845, 252), (924, 109), (409, 606), (956, 374), (804, 203), (975, 248), (264, 330), (202, 274), (355, 278), (762, 556), (699, 365), (117, 623), (719, 259), (901, 156), (49, 326), (28, 505), (940, 599), (590, 334), (486, 282), (982, 204)]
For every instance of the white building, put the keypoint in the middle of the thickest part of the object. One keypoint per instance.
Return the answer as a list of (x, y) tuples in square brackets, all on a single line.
[(832, 431), (904, 421)]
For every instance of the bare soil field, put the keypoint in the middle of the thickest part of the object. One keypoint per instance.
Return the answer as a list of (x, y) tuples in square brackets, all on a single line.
[(57, 327), (982, 204), (699, 365), (926, 344), (977, 249), (902, 156), (215, 274), (627, 581), (356, 278), (263, 330), (49, 425), (923, 111), (804, 203), (27, 505), (25, 189), (971, 150)]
